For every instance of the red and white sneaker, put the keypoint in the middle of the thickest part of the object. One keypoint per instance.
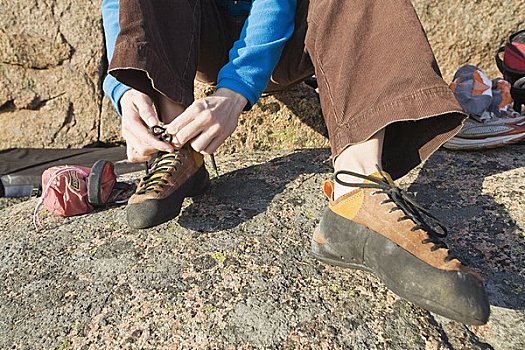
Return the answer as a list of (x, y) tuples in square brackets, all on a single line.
[(489, 131)]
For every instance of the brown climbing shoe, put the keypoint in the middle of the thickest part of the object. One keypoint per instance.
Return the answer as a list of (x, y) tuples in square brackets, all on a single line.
[(381, 229), (160, 193)]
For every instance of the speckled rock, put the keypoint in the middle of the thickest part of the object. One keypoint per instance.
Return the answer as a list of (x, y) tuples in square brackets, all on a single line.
[(469, 31), (233, 271), (50, 73)]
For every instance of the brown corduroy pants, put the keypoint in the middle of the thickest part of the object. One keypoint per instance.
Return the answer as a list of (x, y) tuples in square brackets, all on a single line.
[(374, 66)]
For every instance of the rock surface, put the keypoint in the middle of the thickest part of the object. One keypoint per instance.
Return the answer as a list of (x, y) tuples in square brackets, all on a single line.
[(469, 31), (50, 73), (52, 66), (234, 269)]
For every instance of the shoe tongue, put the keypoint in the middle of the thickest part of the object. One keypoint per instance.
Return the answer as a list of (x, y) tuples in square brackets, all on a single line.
[(198, 158)]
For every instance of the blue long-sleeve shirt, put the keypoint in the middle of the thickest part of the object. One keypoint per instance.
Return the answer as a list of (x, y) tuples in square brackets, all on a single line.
[(252, 58)]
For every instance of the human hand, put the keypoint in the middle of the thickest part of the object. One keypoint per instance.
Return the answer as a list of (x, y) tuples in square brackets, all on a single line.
[(208, 122), (138, 113)]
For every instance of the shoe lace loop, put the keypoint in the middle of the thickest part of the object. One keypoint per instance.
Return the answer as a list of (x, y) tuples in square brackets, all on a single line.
[(165, 164), (422, 218), (163, 135)]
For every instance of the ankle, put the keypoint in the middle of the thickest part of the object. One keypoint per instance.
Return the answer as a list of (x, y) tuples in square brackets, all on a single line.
[(168, 109), (362, 158), (355, 164), (342, 189)]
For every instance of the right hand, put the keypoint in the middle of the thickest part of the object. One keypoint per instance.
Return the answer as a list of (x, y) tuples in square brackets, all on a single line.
[(138, 115)]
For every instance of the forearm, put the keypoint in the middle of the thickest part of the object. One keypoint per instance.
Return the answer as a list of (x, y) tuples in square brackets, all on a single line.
[(256, 53), (110, 19)]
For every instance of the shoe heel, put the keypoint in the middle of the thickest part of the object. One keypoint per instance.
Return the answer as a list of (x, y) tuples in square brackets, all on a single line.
[(202, 183), (323, 252)]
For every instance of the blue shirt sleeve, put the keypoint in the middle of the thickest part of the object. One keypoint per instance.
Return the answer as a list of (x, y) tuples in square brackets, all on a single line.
[(254, 56), (110, 19)]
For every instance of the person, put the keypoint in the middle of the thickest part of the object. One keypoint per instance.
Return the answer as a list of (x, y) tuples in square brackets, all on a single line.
[(383, 100)]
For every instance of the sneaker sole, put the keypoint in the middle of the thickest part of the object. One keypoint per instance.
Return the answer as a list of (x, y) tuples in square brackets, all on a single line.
[(151, 213), (326, 254), (458, 143)]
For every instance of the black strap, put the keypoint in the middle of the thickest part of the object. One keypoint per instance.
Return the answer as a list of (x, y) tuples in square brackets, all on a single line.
[(94, 184), (499, 62), (518, 94), (509, 74), (513, 36)]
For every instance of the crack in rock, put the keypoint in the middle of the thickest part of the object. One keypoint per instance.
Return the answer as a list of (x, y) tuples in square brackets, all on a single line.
[(69, 121)]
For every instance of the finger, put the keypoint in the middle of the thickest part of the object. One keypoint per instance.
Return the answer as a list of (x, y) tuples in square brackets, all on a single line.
[(142, 136), (201, 141), (134, 129), (146, 110), (183, 119), (154, 142), (189, 132), (213, 145)]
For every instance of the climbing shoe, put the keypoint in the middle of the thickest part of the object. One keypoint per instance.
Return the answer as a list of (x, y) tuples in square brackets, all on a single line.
[(172, 177), (381, 229)]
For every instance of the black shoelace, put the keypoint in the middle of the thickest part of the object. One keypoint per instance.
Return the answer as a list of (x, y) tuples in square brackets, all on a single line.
[(160, 132), (165, 164), (403, 201)]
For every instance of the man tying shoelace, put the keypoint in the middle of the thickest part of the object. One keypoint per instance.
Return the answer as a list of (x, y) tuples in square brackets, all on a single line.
[(382, 97)]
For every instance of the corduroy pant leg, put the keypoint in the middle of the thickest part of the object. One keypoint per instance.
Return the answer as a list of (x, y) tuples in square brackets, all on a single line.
[(375, 70)]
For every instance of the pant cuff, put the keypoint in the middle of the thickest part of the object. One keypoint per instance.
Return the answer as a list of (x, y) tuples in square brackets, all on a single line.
[(416, 125), (139, 67)]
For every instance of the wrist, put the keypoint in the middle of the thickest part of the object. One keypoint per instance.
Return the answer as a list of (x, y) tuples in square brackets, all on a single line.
[(124, 96), (238, 98)]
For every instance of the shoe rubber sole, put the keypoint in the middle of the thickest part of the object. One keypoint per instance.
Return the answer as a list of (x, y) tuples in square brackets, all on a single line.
[(474, 310), (151, 213), (459, 143)]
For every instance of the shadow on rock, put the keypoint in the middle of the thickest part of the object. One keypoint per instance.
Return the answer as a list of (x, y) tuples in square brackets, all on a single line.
[(304, 103), (457, 187), (238, 196)]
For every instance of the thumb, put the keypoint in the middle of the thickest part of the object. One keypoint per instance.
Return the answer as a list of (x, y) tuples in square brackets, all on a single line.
[(147, 111)]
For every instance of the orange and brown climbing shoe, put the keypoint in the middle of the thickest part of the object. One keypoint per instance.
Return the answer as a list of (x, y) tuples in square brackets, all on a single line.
[(172, 177), (381, 229)]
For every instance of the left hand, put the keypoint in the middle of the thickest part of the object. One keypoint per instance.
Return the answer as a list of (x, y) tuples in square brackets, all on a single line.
[(208, 122)]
